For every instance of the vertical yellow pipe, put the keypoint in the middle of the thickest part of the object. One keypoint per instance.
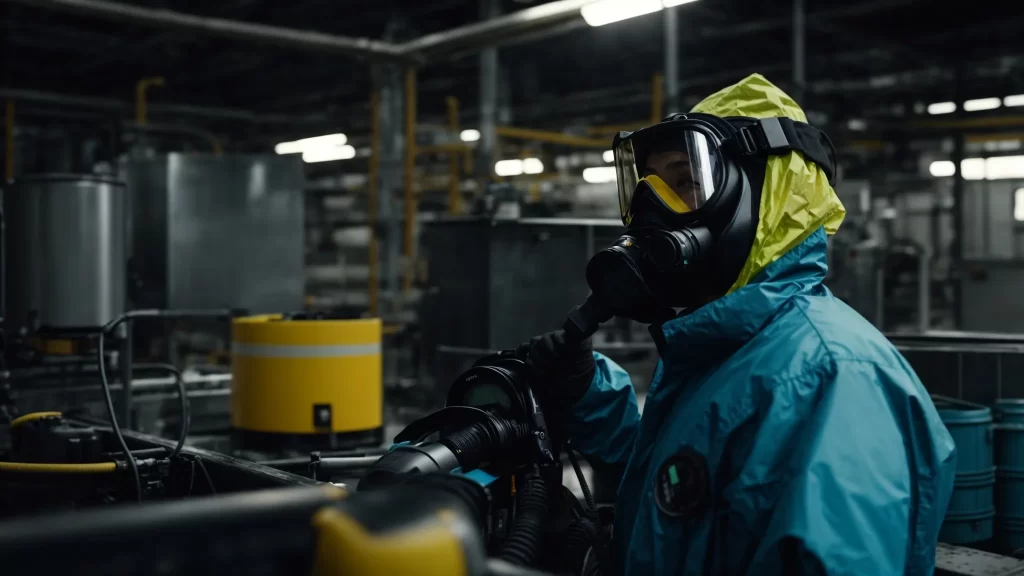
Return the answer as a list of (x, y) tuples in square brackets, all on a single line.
[(9, 140), (410, 165), (371, 205), (657, 94), (454, 195), (141, 109)]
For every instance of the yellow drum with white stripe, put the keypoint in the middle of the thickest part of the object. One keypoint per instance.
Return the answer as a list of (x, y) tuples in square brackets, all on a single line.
[(306, 384)]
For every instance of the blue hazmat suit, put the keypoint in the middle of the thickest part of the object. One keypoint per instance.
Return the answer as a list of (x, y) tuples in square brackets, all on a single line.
[(821, 452)]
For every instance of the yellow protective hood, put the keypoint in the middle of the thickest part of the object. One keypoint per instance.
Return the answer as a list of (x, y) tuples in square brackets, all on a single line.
[(796, 198)]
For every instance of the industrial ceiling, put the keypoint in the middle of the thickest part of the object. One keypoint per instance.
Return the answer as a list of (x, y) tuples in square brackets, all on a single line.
[(862, 57)]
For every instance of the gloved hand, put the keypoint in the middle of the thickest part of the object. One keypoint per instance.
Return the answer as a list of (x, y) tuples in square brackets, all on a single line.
[(566, 370)]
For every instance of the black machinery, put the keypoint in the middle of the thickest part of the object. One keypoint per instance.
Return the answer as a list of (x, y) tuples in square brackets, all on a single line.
[(473, 488)]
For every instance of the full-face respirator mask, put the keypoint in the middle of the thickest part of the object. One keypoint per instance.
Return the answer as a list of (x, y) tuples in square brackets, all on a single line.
[(690, 195)]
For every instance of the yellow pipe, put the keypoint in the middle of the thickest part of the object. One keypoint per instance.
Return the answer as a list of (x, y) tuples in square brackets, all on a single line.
[(657, 94), (410, 165), (32, 417), (995, 137), (454, 196), (33, 468), (371, 209), (9, 140), (141, 111), (549, 137)]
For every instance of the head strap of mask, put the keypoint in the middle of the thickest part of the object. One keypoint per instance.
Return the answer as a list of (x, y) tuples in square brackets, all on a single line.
[(670, 261)]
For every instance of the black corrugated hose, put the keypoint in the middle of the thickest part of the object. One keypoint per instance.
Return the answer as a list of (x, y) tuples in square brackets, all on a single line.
[(524, 542)]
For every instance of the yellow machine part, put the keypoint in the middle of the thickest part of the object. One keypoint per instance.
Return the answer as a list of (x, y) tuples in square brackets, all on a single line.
[(433, 548), (286, 372)]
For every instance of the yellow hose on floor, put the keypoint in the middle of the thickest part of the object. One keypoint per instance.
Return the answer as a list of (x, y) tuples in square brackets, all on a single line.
[(95, 468)]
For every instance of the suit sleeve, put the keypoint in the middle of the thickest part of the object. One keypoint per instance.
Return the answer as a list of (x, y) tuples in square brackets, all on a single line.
[(871, 476), (603, 424)]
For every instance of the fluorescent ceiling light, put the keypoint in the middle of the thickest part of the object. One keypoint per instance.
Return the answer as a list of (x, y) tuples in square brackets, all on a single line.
[(469, 135), (1013, 101), (608, 11), (1018, 205), (671, 3), (288, 148), (973, 169), (532, 166), (1004, 167), (942, 168), (941, 108), (857, 125), (306, 144), (994, 168), (329, 153), (608, 156), (599, 175), (981, 104), (508, 167)]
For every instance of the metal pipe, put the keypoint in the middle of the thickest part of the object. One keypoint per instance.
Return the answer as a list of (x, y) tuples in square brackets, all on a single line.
[(454, 196), (373, 188), (141, 88), (175, 109), (410, 167), (657, 84), (8, 142), (672, 59), (125, 359), (549, 137), (273, 35), (799, 50), (496, 30), (215, 145)]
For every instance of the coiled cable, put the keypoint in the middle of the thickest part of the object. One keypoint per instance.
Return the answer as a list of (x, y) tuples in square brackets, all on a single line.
[(524, 542)]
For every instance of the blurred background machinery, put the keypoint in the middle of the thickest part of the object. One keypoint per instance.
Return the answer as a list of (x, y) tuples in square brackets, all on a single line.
[(423, 183)]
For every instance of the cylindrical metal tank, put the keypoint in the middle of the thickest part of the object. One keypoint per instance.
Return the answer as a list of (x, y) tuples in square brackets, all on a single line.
[(65, 251)]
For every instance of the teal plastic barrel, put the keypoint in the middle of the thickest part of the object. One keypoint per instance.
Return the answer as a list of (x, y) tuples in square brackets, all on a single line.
[(971, 514), (1009, 460), (1009, 534)]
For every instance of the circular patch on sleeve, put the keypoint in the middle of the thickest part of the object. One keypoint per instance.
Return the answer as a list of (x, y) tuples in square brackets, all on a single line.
[(683, 485)]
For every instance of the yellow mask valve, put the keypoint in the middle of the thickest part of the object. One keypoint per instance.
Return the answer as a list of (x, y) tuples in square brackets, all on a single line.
[(667, 194)]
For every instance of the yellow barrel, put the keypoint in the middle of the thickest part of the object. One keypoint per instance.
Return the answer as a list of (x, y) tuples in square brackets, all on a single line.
[(307, 378)]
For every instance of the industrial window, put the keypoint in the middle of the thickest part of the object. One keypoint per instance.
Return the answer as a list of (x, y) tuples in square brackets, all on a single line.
[(1018, 205)]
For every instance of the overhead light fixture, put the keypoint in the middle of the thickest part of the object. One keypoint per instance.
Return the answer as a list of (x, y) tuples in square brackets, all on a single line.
[(508, 167), (993, 168), (941, 108), (532, 166), (1014, 101), (317, 142), (979, 104), (973, 169), (856, 125), (599, 175), (1018, 205), (608, 156), (607, 11), (1004, 167), (327, 154), (942, 168), (469, 135), (671, 3)]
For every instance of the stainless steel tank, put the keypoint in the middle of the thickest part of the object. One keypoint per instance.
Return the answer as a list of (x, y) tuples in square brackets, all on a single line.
[(65, 251)]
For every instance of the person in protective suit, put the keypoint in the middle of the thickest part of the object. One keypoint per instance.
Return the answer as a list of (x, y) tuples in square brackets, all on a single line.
[(782, 433)]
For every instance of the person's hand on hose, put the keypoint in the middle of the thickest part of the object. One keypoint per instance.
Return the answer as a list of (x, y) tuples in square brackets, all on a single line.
[(566, 369)]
